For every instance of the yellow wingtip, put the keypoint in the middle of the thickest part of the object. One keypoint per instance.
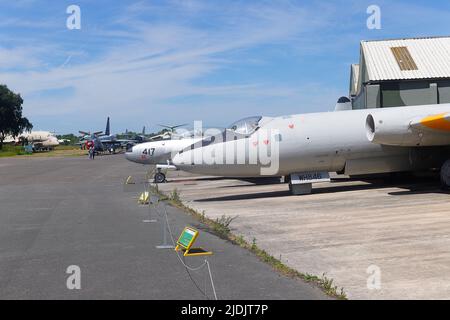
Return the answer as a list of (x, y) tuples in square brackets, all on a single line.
[(437, 122)]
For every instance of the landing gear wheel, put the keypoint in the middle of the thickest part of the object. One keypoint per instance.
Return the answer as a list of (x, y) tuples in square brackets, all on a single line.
[(160, 177), (445, 175)]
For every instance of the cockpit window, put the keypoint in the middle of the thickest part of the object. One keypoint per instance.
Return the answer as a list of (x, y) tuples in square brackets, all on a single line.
[(245, 126), (239, 130), (195, 133)]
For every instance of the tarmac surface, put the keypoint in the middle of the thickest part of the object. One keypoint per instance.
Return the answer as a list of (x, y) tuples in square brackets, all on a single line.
[(376, 239), (61, 212)]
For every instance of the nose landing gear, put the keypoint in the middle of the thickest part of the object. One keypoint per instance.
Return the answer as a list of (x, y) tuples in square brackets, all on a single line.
[(159, 177)]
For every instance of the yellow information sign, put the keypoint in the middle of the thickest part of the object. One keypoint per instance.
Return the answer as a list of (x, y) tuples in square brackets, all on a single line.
[(185, 242)]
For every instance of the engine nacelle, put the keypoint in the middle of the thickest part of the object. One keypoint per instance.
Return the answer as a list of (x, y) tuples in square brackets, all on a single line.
[(399, 130)]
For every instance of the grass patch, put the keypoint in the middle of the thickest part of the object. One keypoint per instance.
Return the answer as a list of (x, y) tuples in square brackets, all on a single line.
[(11, 151), (62, 151), (68, 147), (174, 197), (221, 227), (59, 151)]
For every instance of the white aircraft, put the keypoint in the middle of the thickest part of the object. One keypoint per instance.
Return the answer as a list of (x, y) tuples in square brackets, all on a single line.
[(307, 147), (160, 152), (41, 140)]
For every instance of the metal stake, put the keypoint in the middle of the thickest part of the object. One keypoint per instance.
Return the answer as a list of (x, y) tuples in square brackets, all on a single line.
[(165, 227), (149, 220)]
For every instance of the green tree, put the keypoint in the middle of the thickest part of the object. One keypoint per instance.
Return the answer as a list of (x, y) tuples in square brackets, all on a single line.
[(70, 139), (11, 120)]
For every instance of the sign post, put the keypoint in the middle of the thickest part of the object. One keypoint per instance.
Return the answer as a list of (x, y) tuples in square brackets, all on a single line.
[(153, 202), (165, 227)]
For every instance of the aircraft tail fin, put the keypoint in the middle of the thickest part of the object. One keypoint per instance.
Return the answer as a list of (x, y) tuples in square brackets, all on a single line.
[(107, 131)]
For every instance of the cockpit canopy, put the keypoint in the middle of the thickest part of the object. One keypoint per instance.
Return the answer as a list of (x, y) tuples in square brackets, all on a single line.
[(194, 133), (245, 126), (239, 130)]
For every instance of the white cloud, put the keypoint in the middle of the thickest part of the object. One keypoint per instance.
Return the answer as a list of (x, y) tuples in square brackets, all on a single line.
[(151, 54), (18, 58), (159, 61)]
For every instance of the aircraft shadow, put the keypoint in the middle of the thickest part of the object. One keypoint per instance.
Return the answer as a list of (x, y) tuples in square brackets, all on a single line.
[(286, 193), (194, 179), (256, 182), (417, 187), (272, 194)]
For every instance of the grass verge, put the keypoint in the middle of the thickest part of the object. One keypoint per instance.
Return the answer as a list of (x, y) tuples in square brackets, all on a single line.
[(221, 228), (12, 151), (59, 151)]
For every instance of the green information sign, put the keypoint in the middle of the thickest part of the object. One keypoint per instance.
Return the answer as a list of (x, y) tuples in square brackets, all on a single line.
[(185, 242), (187, 237)]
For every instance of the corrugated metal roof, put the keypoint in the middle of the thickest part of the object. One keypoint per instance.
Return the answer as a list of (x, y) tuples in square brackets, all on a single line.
[(431, 56)]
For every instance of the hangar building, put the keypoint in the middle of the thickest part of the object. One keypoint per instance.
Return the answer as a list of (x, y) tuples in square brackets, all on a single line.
[(403, 72)]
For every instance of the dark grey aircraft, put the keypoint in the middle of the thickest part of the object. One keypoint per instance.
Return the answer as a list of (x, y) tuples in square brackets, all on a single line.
[(106, 142)]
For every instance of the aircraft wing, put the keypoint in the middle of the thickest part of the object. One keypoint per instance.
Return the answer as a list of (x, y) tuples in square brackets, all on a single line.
[(163, 136), (117, 141), (109, 143), (126, 142), (37, 140)]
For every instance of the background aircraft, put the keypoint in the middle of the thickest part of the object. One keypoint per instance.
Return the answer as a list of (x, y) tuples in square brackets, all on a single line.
[(40, 140), (105, 141), (137, 137), (353, 142), (166, 133)]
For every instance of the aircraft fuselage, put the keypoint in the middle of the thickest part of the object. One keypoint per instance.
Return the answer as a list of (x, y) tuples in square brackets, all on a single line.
[(331, 142)]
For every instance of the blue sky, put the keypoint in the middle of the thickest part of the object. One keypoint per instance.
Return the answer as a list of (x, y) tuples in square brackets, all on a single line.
[(149, 62)]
